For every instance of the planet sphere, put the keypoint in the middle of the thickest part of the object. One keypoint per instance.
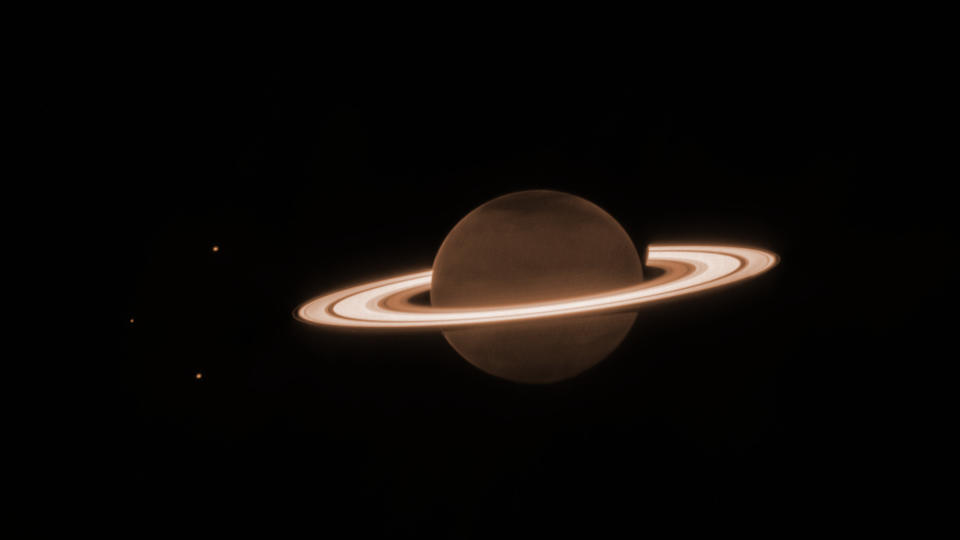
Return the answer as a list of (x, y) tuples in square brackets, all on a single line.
[(527, 247)]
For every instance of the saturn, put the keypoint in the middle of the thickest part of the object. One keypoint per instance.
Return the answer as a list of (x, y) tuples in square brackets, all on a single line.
[(536, 286)]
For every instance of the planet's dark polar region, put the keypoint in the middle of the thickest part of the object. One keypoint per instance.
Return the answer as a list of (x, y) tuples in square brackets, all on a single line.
[(534, 246)]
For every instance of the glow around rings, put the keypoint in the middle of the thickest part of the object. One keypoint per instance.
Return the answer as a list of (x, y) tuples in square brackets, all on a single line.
[(386, 304)]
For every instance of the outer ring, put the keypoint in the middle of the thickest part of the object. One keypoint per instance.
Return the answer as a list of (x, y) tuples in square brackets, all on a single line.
[(386, 304)]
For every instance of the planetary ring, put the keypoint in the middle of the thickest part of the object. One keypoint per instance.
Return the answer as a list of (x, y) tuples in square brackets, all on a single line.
[(386, 304)]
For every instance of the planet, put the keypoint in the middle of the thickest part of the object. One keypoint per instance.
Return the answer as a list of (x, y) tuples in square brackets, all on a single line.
[(527, 247), (536, 286)]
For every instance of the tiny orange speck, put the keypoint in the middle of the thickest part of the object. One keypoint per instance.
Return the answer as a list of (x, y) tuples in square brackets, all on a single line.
[(131, 320), (199, 376), (216, 249)]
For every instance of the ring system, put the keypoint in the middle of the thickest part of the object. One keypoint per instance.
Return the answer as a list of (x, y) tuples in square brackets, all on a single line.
[(386, 304)]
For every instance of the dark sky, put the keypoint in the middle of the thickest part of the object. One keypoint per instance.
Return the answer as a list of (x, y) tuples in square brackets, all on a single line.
[(315, 172)]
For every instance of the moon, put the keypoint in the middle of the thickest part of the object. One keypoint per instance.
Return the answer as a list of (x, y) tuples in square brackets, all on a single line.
[(535, 246)]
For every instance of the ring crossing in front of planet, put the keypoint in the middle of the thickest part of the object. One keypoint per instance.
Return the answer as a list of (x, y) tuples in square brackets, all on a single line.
[(536, 286)]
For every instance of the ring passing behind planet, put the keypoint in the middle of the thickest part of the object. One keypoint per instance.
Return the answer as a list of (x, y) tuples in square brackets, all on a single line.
[(536, 286)]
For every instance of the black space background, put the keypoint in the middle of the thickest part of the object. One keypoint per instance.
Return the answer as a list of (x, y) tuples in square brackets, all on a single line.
[(784, 398)]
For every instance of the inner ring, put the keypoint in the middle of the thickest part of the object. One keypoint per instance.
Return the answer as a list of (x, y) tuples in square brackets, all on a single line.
[(386, 304)]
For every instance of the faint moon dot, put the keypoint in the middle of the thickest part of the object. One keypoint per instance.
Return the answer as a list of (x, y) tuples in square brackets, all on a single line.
[(199, 376), (131, 320), (216, 249), (535, 246)]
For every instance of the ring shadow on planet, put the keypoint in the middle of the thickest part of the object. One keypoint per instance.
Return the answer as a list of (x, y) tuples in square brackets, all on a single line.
[(535, 246), (422, 299)]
